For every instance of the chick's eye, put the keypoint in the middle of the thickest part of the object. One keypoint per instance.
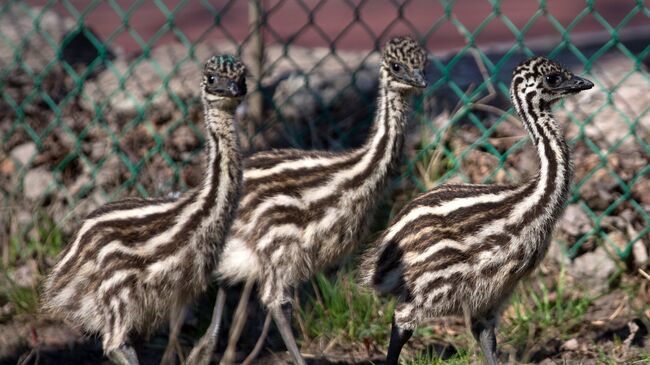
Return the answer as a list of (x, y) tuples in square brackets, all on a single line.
[(210, 79), (396, 67), (553, 79)]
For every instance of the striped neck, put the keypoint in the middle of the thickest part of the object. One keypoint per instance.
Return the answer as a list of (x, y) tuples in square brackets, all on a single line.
[(222, 142), (384, 145), (392, 106), (553, 180), (222, 178)]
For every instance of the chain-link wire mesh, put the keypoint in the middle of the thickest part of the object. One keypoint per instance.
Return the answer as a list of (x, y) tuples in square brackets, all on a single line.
[(100, 99)]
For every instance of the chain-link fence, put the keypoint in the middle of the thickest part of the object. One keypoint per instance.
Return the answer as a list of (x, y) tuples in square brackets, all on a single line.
[(100, 99)]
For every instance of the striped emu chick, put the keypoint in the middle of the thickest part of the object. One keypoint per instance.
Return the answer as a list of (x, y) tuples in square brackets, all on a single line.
[(303, 210), (135, 260), (460, 249)]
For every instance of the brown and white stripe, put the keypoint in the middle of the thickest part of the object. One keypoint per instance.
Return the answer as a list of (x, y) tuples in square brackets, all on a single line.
[(460, 249), (303, 210), (135, 260)]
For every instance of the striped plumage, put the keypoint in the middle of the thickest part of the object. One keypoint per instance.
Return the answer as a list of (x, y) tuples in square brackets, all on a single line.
[(460, 249), (135, 260), (303, 210)]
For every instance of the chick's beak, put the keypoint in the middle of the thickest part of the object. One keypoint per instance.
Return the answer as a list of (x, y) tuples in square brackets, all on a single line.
[(417, 78), (223, 87), (233, 88), (576, 84)]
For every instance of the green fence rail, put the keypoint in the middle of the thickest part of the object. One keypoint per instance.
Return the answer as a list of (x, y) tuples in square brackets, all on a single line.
[(88, 117)]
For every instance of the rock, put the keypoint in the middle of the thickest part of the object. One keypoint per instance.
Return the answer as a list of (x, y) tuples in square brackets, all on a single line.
[(478, 164), (593, 269), (575, 221), (7, 167), (619, 239), (99, 149), (110, 172), (24, 152), (23, 217), (36, 183), (82, 182), (641, 190), (184, 139), (33, 30), (616, 222), (557, 254), (25, 275), (85, 207), (6, 309), (627, 215), (632, 96), (599, 191), (570, 345), (640, 254)]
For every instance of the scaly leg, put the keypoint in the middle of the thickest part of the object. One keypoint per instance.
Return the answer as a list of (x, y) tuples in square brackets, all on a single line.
[(398, 338), (202, 352), (175, 324), (260, 341), (483, 329), (284, 326), (123, 355), (241, 314), (115, 336)]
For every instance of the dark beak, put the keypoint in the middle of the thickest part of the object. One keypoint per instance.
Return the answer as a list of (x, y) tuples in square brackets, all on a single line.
[(417, 78), (576, 84), (224, 87)]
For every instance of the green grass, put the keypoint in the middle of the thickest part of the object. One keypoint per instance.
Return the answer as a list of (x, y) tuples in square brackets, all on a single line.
[(42, 239), (428, 358), (342, 308), (40, 242), (540, 311), (24, 300)]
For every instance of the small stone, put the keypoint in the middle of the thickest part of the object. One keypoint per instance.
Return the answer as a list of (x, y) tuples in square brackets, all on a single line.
[(628, 215), (619, 239), (617, 222), (24, 152), (7, 167), (36, 183), (184, 139), (593, 269), (575, 221), (25, 275), (80, 183), (110, 172), (641, 189), (558, 255), (23, 217), (640, 254), (99, 149), (570, 345), (6, 309), (85, 207)]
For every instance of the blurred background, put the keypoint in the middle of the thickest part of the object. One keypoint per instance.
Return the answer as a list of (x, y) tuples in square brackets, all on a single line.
[(100, 101)]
